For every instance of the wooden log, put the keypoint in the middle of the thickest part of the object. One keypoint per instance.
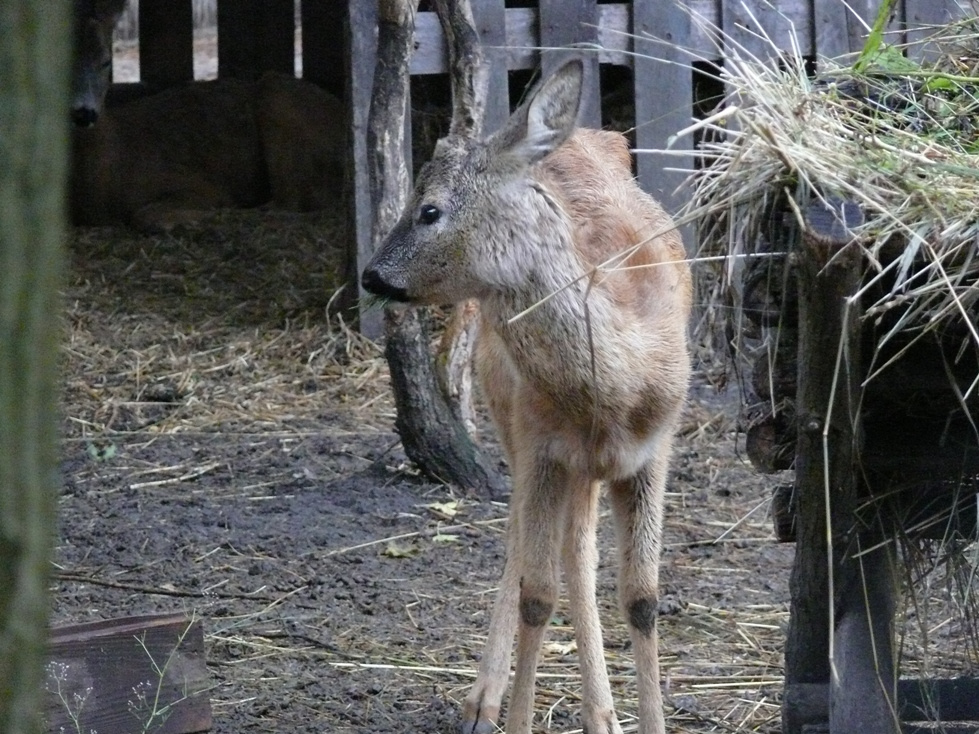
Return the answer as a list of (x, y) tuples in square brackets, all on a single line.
[(134, 674), (35, 60)]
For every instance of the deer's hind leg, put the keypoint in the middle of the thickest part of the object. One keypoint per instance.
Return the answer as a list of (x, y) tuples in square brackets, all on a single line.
[(637, 503), (580, 563)]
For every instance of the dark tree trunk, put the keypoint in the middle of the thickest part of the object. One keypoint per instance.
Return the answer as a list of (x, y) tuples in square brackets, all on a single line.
[(433, 435), (34, 46)]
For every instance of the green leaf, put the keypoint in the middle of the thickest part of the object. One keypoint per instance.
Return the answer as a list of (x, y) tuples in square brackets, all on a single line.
[(876, 37)]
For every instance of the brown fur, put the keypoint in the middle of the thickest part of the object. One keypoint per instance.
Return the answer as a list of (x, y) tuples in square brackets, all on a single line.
[(162, 160), (584, 367)]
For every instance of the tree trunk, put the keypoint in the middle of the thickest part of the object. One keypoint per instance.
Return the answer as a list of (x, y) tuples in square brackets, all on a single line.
[(34, 46), (432, 434)]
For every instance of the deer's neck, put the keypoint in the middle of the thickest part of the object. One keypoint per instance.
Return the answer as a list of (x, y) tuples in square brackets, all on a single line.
[(546, 314)]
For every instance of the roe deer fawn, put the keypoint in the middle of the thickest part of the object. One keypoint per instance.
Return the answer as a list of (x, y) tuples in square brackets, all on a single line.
[(584, 367), (94, 21), (162, 160)]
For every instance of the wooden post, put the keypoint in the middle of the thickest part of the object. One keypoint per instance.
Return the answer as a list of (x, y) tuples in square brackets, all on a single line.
[(34, 64), (166, 43), (361, 19), (255, 36), (324, 50), (839, 629)]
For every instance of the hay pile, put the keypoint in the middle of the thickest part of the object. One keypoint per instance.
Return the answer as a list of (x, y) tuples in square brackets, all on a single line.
[(899, 138)]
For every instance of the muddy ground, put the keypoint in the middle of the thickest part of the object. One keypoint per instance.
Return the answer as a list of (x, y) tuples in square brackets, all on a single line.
[(229, 452)]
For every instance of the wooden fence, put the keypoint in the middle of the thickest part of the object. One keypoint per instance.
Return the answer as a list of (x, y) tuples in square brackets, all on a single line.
[(657, 40)]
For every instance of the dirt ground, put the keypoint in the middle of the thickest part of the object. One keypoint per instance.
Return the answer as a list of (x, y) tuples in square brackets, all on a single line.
[(229, 452)]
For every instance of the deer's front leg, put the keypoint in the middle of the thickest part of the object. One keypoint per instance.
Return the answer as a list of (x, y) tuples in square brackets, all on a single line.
[(542, 494), (637, 503), (580, 563), (481, 709)]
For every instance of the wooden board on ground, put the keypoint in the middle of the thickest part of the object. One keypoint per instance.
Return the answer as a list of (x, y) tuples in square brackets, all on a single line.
[(133, 674)]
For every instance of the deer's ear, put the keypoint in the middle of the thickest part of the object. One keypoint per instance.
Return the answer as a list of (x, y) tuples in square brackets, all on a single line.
[(546, 119)]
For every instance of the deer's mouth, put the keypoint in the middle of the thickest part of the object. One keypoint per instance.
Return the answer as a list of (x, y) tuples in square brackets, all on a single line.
[(375, 284)]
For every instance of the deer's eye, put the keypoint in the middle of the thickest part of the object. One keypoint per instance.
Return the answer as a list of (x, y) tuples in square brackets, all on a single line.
[(429, 214)]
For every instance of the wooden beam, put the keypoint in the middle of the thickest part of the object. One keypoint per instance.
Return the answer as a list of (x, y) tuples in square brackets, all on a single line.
[(323, 45), (166, 43), (255, 36), (664, 100), (129, 674), (940, 700)]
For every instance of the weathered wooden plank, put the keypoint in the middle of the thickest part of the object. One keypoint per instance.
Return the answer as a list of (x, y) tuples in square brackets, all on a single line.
[(836, 30), (324, 44), (134, 674), (951, 699), (932, 700), (663, 98), (255, 36), (571, 22), (522, 39), (490, 17), (614, 34), (921, 18), (359, 29), (750, 29), (166, 43)]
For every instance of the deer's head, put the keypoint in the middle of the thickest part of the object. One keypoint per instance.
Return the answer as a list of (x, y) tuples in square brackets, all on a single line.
[(94, 22), (472, 208)]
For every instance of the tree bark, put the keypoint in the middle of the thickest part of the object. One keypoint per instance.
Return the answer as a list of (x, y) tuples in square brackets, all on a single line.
[(34, 44), (432, 434)]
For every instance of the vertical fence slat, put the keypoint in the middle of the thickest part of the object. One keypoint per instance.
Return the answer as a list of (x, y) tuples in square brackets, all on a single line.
[(563, 22), (835, 29), (166, 43), (490, 17), (255, 36), (663, 95), (324, 44), (921, 16), (360, 24), (750, 28)]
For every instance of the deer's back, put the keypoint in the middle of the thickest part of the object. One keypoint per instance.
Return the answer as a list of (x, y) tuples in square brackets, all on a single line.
[(591, 175)]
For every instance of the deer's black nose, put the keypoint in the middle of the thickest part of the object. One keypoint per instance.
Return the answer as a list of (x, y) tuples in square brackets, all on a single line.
[(84, 116), (374, 283)]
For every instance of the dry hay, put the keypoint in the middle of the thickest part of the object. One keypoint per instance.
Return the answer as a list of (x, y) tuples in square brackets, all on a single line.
[(900, 138), (222, 330)]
